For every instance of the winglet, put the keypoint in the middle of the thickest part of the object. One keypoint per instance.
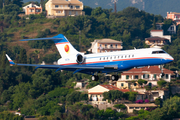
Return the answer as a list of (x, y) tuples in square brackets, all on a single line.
[(10, 61)]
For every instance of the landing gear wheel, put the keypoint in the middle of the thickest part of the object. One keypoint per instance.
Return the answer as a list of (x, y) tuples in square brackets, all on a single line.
[(114, 77), (94, 77)]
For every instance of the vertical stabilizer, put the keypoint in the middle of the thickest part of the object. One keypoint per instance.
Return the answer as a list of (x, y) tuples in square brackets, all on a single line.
[(64, 46)]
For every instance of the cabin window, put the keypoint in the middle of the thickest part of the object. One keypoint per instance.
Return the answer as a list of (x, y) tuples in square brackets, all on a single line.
[(125, 56), (129, 56), (114, 57), (104, 58), (100, 58), (132, 55), (157, 52), (122, 56)]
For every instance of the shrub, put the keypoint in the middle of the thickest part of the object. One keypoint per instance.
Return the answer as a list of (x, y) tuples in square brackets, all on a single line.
[(135, 111), (146, 101), (139, 101)]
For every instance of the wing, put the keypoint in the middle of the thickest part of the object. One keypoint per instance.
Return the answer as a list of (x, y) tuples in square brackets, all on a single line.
[(77, 68)]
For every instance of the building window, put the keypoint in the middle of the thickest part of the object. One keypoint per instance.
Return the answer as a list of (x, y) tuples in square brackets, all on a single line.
[(136, 77), (77, 13), (105, 45), (131, 107), (77, 7), (127, 76), (167, 76), (71, 7), (56, 6), (116, 46), (155, 76), (70, 13), (31, 10), (111, 45), (38, 10), (122, 84), (136, 107), (61, 6), (145, 75), (58, 11)]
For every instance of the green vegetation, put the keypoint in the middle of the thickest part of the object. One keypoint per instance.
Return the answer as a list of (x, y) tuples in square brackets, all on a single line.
[(50, 95)]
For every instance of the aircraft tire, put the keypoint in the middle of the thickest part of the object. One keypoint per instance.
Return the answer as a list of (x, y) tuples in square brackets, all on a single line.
[(114, 77), (94, 78)]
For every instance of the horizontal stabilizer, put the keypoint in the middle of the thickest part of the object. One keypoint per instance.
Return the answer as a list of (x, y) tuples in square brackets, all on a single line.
[(41, 39)]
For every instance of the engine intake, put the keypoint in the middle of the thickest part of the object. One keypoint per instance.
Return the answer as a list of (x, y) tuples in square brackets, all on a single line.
[(80, 58)]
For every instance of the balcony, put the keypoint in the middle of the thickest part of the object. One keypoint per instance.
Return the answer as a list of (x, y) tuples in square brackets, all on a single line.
[(61, 8), (60, 14), (67, 8), (176, 18), (114, 48)]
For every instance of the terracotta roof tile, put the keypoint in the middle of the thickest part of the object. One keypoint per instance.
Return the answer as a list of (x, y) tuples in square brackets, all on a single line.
[(147, 70), (111, 87), (156, 30)]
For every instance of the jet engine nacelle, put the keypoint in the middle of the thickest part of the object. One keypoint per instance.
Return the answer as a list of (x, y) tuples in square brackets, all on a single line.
[(80, 58)]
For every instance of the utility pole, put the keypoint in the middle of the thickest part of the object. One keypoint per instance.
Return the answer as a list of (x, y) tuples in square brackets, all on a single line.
[(114, 1)]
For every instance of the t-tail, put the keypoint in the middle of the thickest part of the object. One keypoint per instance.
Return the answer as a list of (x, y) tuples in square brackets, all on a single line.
[(63, 45)]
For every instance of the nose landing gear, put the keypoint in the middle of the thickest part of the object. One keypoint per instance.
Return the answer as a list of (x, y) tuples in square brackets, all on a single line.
[(114, 77)]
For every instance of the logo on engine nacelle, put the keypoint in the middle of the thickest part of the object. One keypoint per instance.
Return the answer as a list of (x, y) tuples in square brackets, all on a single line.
[(66, 48)]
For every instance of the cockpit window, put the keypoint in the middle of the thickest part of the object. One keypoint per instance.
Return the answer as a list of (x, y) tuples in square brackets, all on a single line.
[(157, 52)]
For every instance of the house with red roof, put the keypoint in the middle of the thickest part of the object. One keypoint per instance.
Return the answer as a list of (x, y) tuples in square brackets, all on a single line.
[(150, 73), (96, 93), (157, 38)]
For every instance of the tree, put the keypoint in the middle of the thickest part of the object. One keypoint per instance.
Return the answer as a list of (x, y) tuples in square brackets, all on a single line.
[(158, 101), (11, 9), (178, 32), (161, 83), (154, 24), (17, 2), (3, 60), (23, 56), (87, 10), (7, 2), (113, 95), (141, 82), (1, 4)]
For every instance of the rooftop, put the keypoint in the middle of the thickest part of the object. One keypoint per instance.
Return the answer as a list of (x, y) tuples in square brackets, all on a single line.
[(144, 70), (155, 38), (141, 105), (108, 41), (111, 87)]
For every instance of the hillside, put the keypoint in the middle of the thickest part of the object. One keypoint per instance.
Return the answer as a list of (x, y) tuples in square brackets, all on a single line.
[(152, 6)]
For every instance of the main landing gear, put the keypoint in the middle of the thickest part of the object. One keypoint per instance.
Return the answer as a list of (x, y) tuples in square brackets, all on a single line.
[(96, 78), (114, 77)]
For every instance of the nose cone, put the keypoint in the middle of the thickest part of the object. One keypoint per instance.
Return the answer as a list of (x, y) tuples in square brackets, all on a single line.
[(168, 60)]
